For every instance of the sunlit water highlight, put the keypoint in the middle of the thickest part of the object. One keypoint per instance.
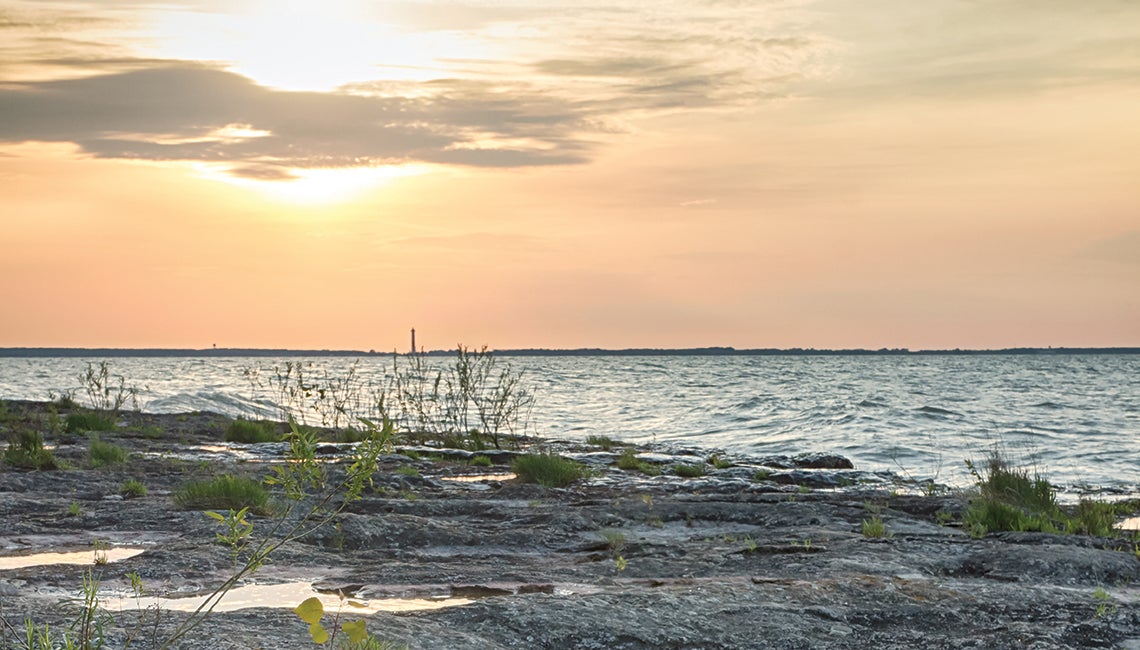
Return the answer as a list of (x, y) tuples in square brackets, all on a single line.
[(1077, 416), (286, 595), (10, 562)]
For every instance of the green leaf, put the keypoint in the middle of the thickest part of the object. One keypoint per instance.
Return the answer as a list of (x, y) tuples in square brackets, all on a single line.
[(318, 632), (355, 631), (311, 611), (215, 515)]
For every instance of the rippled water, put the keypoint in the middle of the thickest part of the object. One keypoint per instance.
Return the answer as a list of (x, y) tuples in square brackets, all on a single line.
[(1078, 415)]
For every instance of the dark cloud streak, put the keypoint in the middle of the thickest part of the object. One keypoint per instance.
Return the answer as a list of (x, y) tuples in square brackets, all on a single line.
[(175, 112)]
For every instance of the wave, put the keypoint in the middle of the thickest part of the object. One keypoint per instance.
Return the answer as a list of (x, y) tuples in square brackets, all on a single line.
[(936, 411)]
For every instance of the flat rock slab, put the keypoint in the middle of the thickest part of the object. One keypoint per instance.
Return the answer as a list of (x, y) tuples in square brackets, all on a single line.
[(619, 560)]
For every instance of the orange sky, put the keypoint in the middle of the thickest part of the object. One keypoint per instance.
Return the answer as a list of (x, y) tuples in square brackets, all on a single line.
[(548, 174)]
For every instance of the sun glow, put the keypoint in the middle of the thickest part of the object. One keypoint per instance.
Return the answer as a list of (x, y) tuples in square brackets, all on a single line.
[(316, 186), (303, 45)]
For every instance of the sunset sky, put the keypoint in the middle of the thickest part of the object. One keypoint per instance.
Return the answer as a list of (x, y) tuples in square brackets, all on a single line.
[(571, 173)]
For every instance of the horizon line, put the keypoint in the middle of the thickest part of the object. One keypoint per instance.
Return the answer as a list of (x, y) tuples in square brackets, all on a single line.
[(48, 351)]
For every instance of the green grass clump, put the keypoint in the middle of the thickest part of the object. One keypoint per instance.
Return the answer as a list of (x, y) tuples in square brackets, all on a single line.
[(481, 461), (605, 442), (874, 528), (105, 453), (88, 421), (131, 489), (547, 469), (694, 470), (250, 431), (1094, 518), (26, 450), (630, 462), (1010, 499), (223, 493)]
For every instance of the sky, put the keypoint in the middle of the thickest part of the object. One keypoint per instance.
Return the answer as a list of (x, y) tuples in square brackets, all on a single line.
[(569, 173)]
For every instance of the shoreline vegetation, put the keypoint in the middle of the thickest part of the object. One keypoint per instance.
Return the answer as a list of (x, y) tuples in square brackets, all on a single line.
[(500, 539), (36, 352)]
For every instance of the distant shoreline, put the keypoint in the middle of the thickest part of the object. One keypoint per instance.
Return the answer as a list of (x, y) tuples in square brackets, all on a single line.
[(539, 352)]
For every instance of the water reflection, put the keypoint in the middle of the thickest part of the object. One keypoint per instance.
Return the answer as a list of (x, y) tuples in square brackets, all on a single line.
[(10, 562), (287, 595)]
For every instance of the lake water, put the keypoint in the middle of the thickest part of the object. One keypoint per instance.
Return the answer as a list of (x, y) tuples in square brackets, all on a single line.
[(1076, 416)]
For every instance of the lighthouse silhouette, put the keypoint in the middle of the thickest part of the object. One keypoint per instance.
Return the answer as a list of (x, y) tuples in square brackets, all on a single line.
[(413, 340)]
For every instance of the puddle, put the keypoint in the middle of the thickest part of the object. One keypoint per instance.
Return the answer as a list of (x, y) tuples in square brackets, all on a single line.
[(479, 478), (10, 562), (287, 595)]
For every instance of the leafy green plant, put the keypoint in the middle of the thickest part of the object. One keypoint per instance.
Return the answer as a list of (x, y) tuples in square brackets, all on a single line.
[(26, 450), (223, 492), (102, 453), (761, 475), (105, 391), (547, 469), (73, 509), (132, 489), (298, 479), (481, 461), (687, 470), (250, 431), (236, 530), (615, 542), (81, 421), (313, 610)]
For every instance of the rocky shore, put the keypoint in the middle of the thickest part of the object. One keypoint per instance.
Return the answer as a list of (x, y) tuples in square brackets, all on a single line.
[(758, 553)]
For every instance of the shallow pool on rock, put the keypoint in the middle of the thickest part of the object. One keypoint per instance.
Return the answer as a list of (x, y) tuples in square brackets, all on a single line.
[(286, 595), (10, 562)]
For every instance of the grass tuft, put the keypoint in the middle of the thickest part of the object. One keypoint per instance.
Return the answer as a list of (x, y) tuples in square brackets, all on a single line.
[(223, 493), (694, 470), (132, 489), (605, 442), (250, 431), (88, 421), (874, 528), (26, 450), (547, 469), (105, 453), (630, 462)]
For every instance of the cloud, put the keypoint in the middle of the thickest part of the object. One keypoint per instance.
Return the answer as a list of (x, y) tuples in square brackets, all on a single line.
[(566, 84), (187, 112)]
